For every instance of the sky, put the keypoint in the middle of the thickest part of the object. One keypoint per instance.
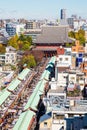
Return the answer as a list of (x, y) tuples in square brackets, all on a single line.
[(41, 9)]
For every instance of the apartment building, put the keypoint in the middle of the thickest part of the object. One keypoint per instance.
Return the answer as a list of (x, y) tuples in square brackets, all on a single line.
[(10, 57), (31, 25), (63, 62)]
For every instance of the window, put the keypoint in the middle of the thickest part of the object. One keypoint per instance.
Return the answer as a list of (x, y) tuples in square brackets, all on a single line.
[(60, 59), (61, 117), (66, 59), (7, 55), (45, 124), (72, 78), (3, 57), (6, 60), (58, 116), (74, 49)]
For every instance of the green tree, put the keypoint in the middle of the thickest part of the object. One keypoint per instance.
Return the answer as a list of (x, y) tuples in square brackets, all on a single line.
[(81, 39), (26, 45), (81, 32), (76, 36), (70, 44), (26, 41), (80, 35), (29, 60), (13, 41), (29, 39), (22, 37), (32, 62), (71, 34), (22, 42)]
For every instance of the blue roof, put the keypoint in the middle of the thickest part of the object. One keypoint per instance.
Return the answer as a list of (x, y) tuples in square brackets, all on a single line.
[(45, 116)]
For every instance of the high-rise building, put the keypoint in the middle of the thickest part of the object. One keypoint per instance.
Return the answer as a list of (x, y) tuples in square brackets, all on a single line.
[(63, 14), (63, 19), (70, 22)]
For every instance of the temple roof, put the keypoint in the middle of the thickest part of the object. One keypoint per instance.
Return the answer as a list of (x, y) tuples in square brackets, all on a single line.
[(54, 34)]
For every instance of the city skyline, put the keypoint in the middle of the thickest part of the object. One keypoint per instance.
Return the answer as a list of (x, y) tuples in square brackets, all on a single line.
[(41, 9)]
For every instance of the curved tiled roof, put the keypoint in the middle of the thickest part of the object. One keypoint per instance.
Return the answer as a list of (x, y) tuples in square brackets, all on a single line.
[(54, 34)]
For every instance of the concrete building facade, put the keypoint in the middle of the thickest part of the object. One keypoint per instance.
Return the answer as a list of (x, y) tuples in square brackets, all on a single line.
[(14, 28)]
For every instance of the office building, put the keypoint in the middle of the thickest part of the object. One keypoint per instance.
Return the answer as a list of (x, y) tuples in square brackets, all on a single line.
[(63, 19), (14, 28), (70, 22), (10, 57), (63, 14), (31, 25)]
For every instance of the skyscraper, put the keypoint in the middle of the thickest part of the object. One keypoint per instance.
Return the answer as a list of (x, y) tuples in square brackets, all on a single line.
[(63, 14)]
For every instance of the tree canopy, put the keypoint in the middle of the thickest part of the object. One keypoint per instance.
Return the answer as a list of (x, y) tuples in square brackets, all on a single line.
[(80, 35), (20, 43), (13, 42), (29, 60)]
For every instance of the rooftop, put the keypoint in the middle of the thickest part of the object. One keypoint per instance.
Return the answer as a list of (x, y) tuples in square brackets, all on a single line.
[(72, 106), (54, 34), (45, 116), (59, 90)]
